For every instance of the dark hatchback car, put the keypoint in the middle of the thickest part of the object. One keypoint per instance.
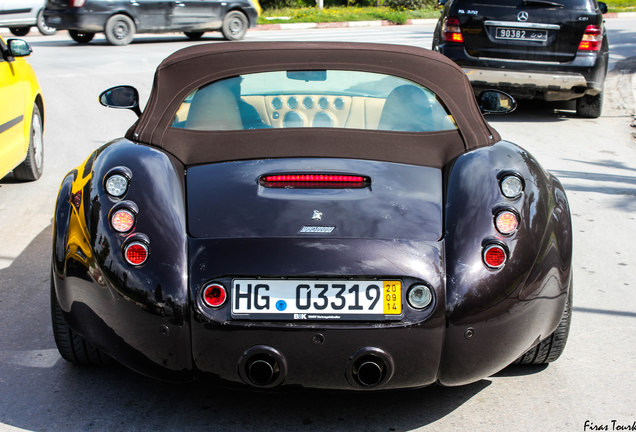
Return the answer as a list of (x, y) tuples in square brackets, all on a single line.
[(327, 215), (119, 20), (544, 49)]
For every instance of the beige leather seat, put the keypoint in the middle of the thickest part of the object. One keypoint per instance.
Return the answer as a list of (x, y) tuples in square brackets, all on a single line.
[(214, 107), (407, 108)]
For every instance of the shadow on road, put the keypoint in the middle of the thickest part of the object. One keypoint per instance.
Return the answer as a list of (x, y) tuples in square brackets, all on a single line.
[(40, 391)]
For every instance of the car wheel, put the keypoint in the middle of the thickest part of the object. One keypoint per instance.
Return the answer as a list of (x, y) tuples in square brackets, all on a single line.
[(70, 344), (31, 168), (234, 25), (42, 27), (81, 37), (119, 30), (551, 348), (589, 106), (19, 31), (435, 44), (193, 35)]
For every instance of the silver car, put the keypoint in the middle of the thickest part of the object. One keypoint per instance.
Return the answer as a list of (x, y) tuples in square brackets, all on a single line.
[(20, 15)]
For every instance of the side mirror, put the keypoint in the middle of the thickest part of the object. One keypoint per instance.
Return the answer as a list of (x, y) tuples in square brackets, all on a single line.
[(602, 6), (18, 48), (496, 102), (121, 97)]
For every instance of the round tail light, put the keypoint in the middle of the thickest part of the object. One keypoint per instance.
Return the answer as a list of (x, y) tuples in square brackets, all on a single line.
[(214, 295), (116, 185), (495, 256), (122, 220), (506, 222), (136, 253), (511, 186)]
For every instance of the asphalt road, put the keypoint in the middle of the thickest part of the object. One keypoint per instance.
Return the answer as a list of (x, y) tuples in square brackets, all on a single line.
[(591, 386)]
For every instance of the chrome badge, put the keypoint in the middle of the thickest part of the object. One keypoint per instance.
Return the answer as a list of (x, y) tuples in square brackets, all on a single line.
[(522, 16), (311, 229), (317, 215)]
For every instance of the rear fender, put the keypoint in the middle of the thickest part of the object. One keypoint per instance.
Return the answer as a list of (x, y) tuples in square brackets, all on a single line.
[(494, 316), (137, 314)]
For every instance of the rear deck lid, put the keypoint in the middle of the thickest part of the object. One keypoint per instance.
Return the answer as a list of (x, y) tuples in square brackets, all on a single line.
[(392, 201), (536, 30)]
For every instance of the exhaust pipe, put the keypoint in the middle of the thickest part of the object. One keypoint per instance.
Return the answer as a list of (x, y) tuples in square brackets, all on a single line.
[(369, 367), (262, 366), (369, 372), (262, 371)]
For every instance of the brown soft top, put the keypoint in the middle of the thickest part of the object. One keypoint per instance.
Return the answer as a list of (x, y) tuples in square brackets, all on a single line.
[(190, 68)]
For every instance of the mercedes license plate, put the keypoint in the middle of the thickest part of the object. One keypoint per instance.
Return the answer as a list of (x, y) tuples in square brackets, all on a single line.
[(521, 34), (274, 299)]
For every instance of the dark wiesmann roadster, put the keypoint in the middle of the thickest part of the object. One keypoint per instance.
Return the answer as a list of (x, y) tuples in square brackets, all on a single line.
[(327, 215)]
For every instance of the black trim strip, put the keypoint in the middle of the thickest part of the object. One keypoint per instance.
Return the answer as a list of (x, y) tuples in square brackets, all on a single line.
[(15, 11), (8, 125)]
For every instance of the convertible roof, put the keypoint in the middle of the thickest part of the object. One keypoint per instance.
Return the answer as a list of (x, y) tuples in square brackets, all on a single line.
[(190, 68)]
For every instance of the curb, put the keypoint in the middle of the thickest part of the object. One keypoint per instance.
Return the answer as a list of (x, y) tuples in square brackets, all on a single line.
[(381, 23), (375, 23), (322, 25)]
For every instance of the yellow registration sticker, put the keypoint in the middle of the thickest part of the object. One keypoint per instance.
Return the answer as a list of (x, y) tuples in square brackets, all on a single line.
[(392, 297)]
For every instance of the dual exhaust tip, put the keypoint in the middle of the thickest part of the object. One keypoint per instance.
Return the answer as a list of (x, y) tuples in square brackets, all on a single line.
[(265, 367)]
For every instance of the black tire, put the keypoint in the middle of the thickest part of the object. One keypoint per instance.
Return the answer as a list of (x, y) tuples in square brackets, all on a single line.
[(81, 37), (551, 348), (119, 30), (235, 25), (72, 346), (435, 44), (590, 106), (20, 31), (42, 27), (193, 35), (31, 168)]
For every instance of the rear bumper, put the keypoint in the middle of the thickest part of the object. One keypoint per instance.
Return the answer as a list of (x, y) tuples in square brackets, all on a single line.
[(584, 75), (319, 354), (554, 86), (76, 19)]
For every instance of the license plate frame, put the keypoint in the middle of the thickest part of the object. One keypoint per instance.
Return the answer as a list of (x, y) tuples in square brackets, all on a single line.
[(317, 299), (521, 34)]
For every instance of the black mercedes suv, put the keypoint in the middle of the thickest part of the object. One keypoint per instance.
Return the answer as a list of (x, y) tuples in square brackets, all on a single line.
[(119, 20), (545, 49)]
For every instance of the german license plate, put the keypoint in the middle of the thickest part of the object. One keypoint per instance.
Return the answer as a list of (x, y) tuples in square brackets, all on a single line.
[(521, 34), (284, 299)]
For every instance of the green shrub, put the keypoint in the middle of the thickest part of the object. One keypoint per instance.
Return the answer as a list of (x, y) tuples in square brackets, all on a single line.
[(404, 5)]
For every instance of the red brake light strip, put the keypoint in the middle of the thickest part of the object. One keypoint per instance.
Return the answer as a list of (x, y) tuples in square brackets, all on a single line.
[(330, 181)]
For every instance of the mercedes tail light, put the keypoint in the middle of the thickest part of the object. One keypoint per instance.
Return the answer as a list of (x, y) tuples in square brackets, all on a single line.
[(77, 3), (494, 256), (592, 39), (323, 181), (451, 30)]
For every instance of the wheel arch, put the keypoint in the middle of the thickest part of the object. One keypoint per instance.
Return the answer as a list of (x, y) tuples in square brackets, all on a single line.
[(495, 315), (139, 315)]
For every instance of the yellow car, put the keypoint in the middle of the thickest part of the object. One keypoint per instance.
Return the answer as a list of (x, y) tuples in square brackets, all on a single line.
[(21, 113)]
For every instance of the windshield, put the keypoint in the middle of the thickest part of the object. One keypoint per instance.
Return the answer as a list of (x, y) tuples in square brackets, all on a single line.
[(314, 99)]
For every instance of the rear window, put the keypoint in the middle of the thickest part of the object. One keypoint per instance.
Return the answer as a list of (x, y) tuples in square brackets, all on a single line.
[(314, 99)]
